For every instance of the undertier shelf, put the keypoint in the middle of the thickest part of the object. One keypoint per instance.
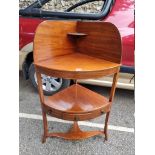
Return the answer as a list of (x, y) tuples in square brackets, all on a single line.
[(75, 102)]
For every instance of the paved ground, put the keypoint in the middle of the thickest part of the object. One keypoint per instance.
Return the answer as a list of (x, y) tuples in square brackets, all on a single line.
[(119, 143)]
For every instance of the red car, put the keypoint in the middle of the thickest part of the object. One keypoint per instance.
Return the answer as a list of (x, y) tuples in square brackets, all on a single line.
[(118, 12)]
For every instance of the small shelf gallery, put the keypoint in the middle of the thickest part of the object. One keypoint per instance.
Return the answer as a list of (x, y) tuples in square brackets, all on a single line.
[(76, 34)]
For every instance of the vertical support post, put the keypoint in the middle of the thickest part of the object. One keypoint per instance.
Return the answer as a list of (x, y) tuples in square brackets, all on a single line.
[(75, 128), (40, 90), (115, 78), (112, 93)]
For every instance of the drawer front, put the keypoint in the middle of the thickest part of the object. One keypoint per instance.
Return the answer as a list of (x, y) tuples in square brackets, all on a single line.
[(75, 117)]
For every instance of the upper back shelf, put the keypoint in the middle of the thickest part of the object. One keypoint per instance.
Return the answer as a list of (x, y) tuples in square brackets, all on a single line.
[(98, 39)]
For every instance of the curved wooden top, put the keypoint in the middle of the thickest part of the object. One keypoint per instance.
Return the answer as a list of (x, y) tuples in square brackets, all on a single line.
[(61, 49), (77, 65)]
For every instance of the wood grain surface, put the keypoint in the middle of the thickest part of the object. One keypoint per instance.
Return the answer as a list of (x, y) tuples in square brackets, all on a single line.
[(76, 50)]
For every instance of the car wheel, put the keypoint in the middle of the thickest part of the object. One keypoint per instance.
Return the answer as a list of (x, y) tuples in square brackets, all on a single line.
[(50, 85)]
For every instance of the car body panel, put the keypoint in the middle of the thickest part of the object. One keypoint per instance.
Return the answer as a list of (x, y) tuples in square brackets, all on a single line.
[(27, 28)]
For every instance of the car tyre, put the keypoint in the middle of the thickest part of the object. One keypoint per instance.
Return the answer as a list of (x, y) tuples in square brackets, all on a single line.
[(62, 83)]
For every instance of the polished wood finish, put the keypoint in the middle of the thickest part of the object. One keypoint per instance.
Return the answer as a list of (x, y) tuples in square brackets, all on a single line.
[(92, 56), (77, 66), (103, 40), (52, 40), (111, 97), (77, 75), (80, 100), (45, 123), (75, 133), (76, 50), (76, 103)]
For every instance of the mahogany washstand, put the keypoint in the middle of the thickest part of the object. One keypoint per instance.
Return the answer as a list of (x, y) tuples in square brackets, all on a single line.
[(76, 50)]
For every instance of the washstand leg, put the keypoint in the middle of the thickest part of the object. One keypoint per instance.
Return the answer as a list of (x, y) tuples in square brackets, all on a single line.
[(115, 78), (106, 126), (41, 95), (45, 126)]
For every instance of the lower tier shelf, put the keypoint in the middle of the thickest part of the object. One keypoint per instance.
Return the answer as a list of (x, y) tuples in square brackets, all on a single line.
[(75, 133), (76, 103)]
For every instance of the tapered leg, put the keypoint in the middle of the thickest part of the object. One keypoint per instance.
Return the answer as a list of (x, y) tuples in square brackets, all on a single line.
[(45, 125), (110, 100), (106, 126)]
